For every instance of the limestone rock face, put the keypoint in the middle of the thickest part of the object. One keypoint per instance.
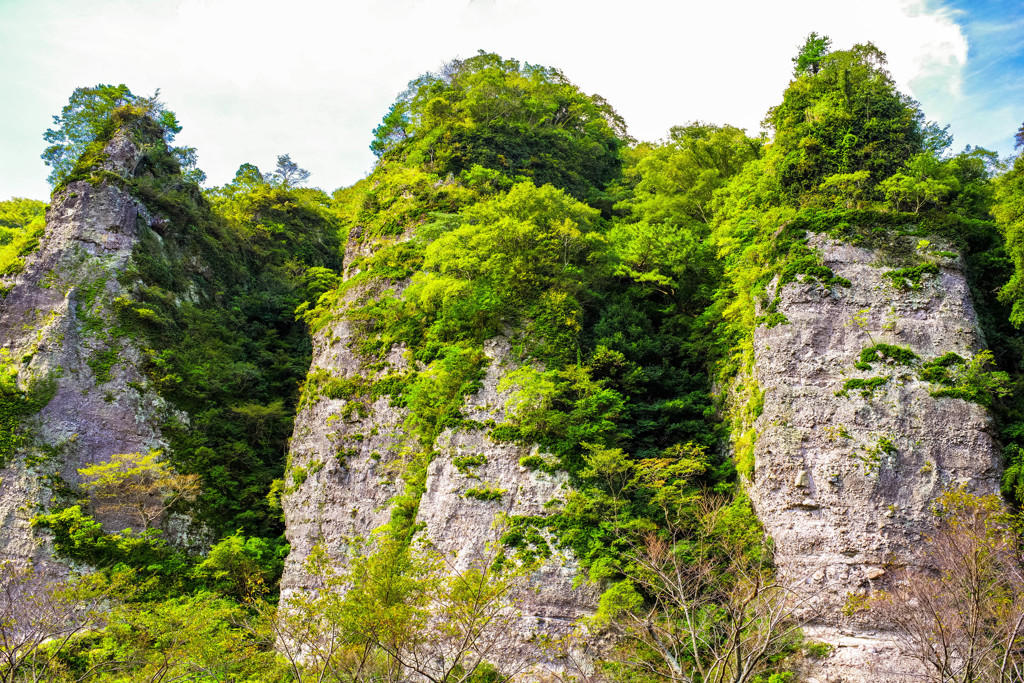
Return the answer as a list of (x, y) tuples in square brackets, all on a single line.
[(350, 462), (845, 484), (55, 326)]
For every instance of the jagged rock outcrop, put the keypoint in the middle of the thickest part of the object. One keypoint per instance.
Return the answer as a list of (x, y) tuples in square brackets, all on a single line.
[(844, 482), (350, 460), (56, 327)]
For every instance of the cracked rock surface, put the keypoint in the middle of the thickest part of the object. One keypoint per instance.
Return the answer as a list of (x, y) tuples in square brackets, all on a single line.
[(53, 322), (845, 483), (351, 459)]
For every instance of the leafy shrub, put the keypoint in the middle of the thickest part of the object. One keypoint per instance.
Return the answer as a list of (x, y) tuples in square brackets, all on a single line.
[(485, 493), (865, 386), (897, 355), (910, 278)]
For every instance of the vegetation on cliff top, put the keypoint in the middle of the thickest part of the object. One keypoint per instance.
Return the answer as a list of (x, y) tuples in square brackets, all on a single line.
[(629, 278)]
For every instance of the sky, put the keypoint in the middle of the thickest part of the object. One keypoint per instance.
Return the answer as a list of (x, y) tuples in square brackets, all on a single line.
[(252, 79)]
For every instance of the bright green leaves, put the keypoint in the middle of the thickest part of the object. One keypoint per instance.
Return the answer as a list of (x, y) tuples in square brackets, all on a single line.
[(237, 566), (22, 223), (436, 397), (518, 119), (525, 255), (814, 49), (661, 243), (397, 198), (923, 181), (1009, 211), (678, 178), (198, 637), (17, 214), (972, 380), (665, 272), (91, 117), (16, 404), (659, 256), (392, 129), (847, 190), (561, 410), (79, 537), (521, 255), (397, 609), (842, 115), (616, 500), (242, 568), (619, 598)]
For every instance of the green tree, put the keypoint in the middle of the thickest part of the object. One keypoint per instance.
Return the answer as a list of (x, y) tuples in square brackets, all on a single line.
[(399, 611), (848, 190), (845, 117), (242, 568), (517, 119), (923, 181), (524, 255), (814, 49), (91, 114), (1008, 210), (18, 213), (22, 223), (392, 130), (138, 487), (661, 241)]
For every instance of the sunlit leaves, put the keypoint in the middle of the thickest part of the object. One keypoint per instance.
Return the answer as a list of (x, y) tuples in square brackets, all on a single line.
[(845, 116), (517, 119)]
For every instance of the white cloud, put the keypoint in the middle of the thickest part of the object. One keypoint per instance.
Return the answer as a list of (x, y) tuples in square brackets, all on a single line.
[(251, 79)]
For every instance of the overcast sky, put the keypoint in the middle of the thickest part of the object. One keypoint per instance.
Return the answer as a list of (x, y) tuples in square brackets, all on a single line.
[(251, 79)]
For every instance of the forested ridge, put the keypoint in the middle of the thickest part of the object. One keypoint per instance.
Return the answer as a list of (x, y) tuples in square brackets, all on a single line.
[(629, 278)]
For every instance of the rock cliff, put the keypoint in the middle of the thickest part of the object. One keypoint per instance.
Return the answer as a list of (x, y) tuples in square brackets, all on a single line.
[(846, 473), (343, 476), (851, 452), (56, 333)]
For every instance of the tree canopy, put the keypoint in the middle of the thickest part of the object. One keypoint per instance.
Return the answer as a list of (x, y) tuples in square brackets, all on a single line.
[(814, 49), (92, 114), (628, 280), (518, 119), (843, 114)]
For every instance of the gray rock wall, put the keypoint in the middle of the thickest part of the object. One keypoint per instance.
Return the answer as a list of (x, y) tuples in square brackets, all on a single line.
[(841, 505), (55, 320), (351, 467)]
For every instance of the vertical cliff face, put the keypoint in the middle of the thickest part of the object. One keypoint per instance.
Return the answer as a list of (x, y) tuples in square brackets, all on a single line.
[(846, 473), (56, 333), (344, 472)]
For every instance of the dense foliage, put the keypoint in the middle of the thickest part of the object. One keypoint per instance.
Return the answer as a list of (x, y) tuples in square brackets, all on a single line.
[(232, 356), (607, 308), (628, 279), (844, 115), (21, 226), (92, 115), (516, 119)]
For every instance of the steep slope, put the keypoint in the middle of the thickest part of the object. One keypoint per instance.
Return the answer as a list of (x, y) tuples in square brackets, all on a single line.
[(55, 332), (345, 471), (849, 461), (400, 444), (469, 252)]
